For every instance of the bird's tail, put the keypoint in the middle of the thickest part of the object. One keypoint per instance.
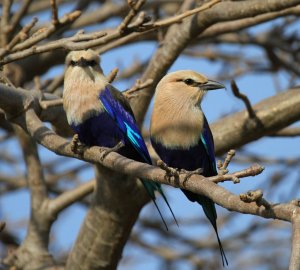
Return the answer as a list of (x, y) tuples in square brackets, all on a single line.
[(211, 213), (151, 187)]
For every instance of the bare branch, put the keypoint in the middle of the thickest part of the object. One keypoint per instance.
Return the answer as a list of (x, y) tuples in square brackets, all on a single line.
[(45, 104), (287, 132), (137, 87), (15, 20), (244, 98), (69, 197), (55, 20), (295, 256), (132, 13), (222, 166), (112, 75), (5, 21), (180, 17)]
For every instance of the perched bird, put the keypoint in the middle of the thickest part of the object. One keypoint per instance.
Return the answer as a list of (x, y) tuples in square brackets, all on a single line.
[(180, 133), (101, 115)]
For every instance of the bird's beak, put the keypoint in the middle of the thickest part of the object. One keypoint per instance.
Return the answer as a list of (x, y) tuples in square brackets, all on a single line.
[(212, 85), (82, 62)]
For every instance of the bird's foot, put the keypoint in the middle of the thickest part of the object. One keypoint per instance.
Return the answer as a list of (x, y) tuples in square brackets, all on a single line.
[(175, 172), (77, 147), (106, 151), (190, 173), (170, 172)]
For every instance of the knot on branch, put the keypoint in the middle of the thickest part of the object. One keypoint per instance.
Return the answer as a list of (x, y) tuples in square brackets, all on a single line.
[(255, 196), (252, 196)]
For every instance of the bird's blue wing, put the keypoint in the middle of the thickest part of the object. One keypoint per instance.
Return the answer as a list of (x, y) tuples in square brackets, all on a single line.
[(208, 142), (116, 105), (118, 108)]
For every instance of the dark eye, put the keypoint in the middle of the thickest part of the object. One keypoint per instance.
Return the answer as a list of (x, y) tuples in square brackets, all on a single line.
[(73, 63), (92, 63), (189, 81)]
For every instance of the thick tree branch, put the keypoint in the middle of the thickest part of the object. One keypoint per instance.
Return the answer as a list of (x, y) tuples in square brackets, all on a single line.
[(273, 114), (197, 184)]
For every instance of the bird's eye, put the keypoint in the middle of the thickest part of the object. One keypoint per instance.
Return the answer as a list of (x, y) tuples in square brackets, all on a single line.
[(189, 81), (92, 63), (73, 63)]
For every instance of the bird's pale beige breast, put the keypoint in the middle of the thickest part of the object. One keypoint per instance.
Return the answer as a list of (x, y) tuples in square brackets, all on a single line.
[(176, 127), (81, 97)]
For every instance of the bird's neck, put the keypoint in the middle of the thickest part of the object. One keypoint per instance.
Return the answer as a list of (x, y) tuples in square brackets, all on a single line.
[(177, 123), (81, 95)]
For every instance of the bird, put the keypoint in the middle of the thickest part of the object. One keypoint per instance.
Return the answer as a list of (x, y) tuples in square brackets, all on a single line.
[(100, 115), (180, 133)]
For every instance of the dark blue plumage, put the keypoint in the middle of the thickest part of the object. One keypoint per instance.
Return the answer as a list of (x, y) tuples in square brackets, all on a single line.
[(180, 133), (114, 124), (101, 115), (198, 156)]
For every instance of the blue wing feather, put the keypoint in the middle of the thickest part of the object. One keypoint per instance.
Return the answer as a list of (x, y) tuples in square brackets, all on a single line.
[(200, 156), (125, 122), (120, 111), (208, 142)]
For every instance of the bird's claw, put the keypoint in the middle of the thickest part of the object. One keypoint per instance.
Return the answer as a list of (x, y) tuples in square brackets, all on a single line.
[(170, 172), (76, 146), (190, 173), (175, 173), (106, 151)]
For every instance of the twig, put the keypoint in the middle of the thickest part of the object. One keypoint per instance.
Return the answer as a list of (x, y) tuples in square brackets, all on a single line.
[(71, 43), (5, 21), (133, 11), (244, 98), (55, 83), (253, 170), (4, 79), (23, 34), (54, 11), (188, 13), (37, 83), (45, 104), (44, 33), (71, 196), (17, 17), (140, 20), (112, 75), (137, 87), (222, 167), (287, 132)]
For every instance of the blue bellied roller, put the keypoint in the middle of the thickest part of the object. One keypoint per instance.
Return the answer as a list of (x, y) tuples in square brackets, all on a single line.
[(180, 133), (101, 115)]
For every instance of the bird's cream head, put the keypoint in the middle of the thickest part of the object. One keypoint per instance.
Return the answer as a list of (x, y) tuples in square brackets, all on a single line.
[(83, 63), (186, 85), (177, 118), (83, 81)]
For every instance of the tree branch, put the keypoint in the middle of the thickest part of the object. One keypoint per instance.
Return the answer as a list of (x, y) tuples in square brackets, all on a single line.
[(295, 256)]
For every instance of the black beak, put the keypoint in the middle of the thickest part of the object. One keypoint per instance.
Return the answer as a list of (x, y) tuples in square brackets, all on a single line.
[(212, 85), (82, 62)]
